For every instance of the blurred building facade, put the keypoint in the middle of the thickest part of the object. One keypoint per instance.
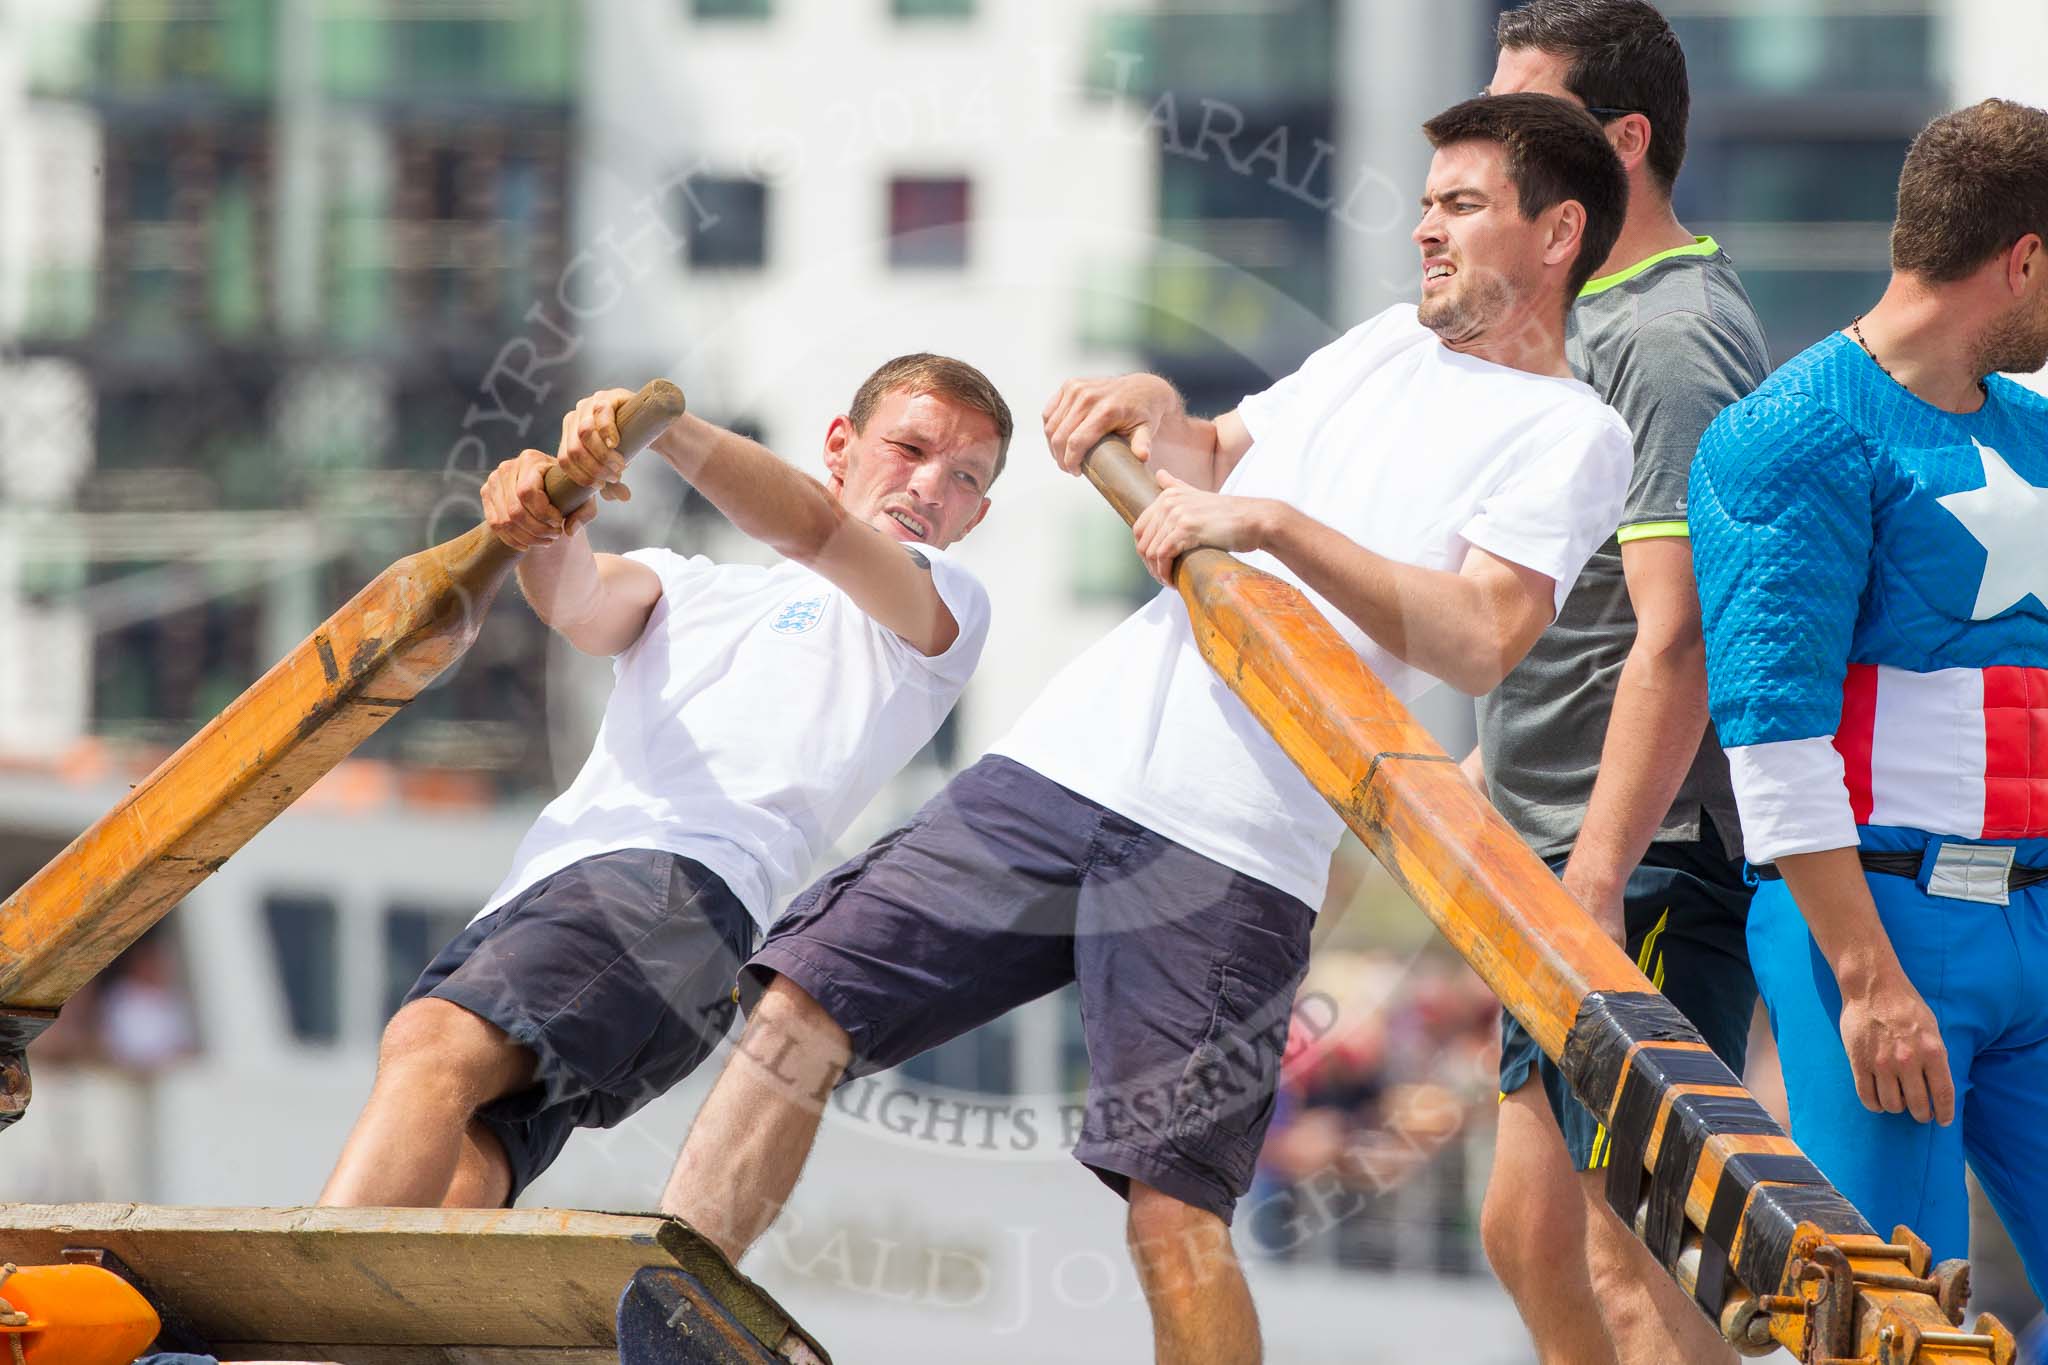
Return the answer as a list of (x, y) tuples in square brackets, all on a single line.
[(265, 253)]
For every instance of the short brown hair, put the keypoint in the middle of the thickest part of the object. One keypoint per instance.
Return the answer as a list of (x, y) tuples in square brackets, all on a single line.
[(1555, 152), (1975, 182), (944, 377), (1620, 55)]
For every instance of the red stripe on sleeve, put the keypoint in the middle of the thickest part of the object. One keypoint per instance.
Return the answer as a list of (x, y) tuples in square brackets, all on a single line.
[(1856, 733)]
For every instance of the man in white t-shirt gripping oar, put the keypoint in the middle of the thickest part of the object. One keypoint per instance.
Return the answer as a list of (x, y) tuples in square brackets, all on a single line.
[(756, 711), (1434, 479)]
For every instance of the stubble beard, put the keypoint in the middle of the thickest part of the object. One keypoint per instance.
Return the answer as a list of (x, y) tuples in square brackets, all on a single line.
[(2015, 344), (1459, 315)]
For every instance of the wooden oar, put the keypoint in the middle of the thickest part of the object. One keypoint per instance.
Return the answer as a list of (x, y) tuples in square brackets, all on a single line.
[(179, 824), (1724, 1200)]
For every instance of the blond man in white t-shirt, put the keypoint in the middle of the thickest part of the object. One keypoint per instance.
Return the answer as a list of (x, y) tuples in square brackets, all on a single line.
[(1434, 480), (755, 711)]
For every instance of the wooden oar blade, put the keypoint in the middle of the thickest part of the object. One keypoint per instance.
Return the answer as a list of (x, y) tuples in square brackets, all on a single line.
[(244, 767)]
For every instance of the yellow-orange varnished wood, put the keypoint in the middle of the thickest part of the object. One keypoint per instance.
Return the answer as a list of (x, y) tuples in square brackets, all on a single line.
[(297, 721), (1396, 788)]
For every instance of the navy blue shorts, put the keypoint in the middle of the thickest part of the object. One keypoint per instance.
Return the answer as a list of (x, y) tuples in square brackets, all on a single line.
[(1007, 886), (617, 973), (1686, 909)]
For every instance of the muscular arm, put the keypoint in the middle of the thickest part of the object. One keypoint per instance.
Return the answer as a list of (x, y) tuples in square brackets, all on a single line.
[(1148, 412), (598, 603), (1653, 731), (1467, 628), (1772, 618), (1891, 1037), (796, 516)]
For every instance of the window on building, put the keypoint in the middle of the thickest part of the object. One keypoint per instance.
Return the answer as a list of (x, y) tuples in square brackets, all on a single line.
[(303, 932), (942, 750), (475, 226), (928, 218), (696, 512), (932, 9), (185, 231), (724, 221), (982, 1061), (732, 9), (413, 935), (509, 50)]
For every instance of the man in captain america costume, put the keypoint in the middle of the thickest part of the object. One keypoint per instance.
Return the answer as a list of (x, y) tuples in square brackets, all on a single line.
[(1871, 535)]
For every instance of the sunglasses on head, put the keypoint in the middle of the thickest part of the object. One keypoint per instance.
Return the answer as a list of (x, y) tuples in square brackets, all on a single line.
[(1603, 112)]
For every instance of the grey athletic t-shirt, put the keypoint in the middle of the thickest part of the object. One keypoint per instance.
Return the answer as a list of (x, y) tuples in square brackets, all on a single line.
[(1668, 343)]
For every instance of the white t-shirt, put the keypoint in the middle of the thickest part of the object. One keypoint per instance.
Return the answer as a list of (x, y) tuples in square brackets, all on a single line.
[(1408, 448), (755, 716)]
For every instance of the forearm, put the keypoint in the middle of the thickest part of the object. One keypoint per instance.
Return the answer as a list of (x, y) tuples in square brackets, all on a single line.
[(1836, 903), (561, 583), (1186, 447), (1653, 736), (765, 497), (1439, 622)]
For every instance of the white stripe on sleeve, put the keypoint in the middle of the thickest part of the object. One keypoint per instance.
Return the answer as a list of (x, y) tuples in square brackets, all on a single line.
[(1792, 798)]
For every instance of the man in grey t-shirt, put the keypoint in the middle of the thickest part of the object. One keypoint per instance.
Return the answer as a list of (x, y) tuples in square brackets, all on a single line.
[(1596, 746)]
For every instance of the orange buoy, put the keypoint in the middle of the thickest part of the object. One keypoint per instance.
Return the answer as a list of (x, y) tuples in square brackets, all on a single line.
[(71, 1315)]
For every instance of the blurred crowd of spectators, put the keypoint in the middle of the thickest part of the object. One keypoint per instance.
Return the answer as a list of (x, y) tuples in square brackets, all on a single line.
[(135, 1016), (1387, 1085)]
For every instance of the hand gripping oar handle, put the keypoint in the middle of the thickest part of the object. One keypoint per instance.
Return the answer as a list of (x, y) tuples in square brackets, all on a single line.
[(1728, 1206), (1127, 482), (175, 827), (1119, 475), (642, 417)]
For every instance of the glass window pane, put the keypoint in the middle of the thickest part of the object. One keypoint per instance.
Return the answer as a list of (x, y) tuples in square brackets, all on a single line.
[(731, 9), (302, 945), (525, 49), (724, 221), (1799, 50), (932, 9), (928, 221), (1800, 307), (981, 1062), (1819, 180), (413, 935)]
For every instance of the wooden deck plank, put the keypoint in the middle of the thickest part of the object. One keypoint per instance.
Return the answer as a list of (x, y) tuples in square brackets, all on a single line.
[(371, 1286)]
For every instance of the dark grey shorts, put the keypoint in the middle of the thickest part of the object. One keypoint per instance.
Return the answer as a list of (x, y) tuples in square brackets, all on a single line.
[(617, 972), (1006, 886)]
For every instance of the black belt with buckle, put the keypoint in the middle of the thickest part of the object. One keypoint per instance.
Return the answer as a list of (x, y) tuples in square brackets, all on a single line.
[(1908, 865)]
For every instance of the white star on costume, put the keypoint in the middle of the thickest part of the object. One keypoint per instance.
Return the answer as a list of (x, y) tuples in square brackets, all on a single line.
[(2007, 516)]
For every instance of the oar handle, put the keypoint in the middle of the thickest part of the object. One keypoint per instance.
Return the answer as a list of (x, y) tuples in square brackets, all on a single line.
[(1120, 476), (642, 417)]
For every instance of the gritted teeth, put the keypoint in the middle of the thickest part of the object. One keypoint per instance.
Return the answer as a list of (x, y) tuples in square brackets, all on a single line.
[(1439, 272), (909, 523)]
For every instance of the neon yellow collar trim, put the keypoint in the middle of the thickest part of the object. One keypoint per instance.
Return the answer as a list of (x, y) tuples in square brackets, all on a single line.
[(1701, 246)]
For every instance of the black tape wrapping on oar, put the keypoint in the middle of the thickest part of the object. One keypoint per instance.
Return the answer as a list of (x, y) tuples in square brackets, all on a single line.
[(20, 1027), (1724, 1216), (1694, 1118), (1766, 1196), (1607, 1027), (1602, 1061)]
